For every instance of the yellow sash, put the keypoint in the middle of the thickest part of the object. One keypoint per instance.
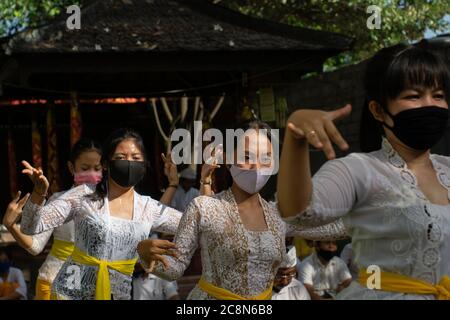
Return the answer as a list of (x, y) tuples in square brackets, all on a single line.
[(399, 283), (43, 290), (103, 286), (61, 249), (223, 294)]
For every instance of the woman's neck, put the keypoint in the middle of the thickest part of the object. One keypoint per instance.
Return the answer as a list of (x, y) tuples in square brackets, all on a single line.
[(244, 197), (115, 191), (413, 158)]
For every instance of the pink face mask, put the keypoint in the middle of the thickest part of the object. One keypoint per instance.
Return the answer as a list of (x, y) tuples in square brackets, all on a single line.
[(87, 177)]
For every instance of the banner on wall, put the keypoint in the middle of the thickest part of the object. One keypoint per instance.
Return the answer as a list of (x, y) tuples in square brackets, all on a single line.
[(36, 146), (52, 154), (76, 125)]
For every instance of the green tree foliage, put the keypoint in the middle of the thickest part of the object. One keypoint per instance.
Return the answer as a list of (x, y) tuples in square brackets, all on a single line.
[(16, 15), (401, 20)]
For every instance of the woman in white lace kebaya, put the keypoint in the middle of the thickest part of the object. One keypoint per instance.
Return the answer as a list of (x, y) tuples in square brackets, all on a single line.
[(85, 167), (394, 199), (241, 236), (110, 220)]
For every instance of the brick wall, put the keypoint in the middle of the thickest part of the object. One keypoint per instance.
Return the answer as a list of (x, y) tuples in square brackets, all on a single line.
[(329, 91)]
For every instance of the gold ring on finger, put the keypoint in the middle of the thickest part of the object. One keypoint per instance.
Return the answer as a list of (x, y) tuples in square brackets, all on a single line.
[(312, 132)]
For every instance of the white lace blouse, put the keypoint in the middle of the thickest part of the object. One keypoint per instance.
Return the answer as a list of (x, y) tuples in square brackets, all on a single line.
[(391, 222), (99, 235), (239, 260), (51, 265)]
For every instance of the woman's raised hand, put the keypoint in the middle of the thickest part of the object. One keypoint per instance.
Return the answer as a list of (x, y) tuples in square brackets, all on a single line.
[(14, 210), (211, 163), (153, 250), (36, 176), (170, 169), (317, 127)]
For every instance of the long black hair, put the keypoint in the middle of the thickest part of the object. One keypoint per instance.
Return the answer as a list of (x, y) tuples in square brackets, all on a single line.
[(109, 148), (388, 73), (81, 146), (84, 145)]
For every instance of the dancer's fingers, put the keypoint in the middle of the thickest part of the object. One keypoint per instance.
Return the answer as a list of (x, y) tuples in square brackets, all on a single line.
[(22, 201), (27, 165), (296, 132), (335, 135), (17, 197)]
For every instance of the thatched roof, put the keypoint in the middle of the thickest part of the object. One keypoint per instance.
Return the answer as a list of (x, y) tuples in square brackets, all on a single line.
[(168, 26)]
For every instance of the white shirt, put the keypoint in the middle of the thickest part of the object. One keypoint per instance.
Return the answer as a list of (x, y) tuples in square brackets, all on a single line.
[(293, 291), (323, 278), (16, 276), (153, 288), (181, 199), (98, 234), (390, 221), (348, 257), (297, 267), (66, 233), (242, 261)]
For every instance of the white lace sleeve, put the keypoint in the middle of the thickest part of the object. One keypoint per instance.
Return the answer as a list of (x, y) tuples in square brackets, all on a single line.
[(40, 240), (337, 186), (166, 219), (37, 218), (328, 232), (186, 241)]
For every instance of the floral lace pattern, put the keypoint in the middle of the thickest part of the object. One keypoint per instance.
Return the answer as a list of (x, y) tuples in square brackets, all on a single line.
[(233, 257), (99, 235), (51, 265), (424, 220), (391, 222)]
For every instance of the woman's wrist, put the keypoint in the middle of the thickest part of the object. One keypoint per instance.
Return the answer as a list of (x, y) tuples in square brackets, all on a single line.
[(40, 194), (38, 198), (205, 181), (8, 225), (174, 181), (14, 229)]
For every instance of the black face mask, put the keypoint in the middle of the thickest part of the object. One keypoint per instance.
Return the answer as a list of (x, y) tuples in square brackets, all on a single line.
[(127, 173), (419, 128), (326, 255)]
